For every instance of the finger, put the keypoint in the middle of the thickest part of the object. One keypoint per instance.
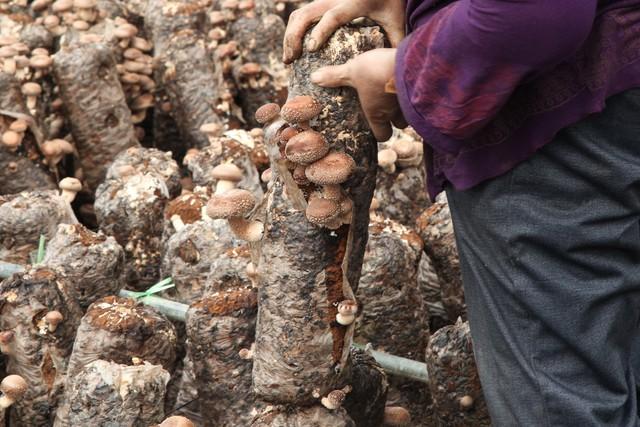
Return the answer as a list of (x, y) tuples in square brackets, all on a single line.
[(333, 76), (299, 21), (394, 34), (329, 23), (379, 124), (399, 121)]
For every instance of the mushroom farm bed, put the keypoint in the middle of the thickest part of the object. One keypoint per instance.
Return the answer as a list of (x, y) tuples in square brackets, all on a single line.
[(193, 234)]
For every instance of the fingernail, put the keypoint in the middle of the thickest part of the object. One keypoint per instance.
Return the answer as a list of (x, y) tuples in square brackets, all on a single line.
[(316, 77), (312, 44)]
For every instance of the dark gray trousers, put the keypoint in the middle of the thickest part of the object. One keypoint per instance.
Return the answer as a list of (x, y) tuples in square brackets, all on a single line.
[(550, 256)]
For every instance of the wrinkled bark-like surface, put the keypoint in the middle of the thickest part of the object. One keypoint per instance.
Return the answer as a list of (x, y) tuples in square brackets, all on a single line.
[(130, 206), (429, 286), (436, 229), (314, 416), (37, 354), (24, 217), (365, 403), (119, 329), (19, 170), (393, 317), (106, 394), (219, 327), (402, 194), (453, 375), (229, 270), (306, 270), (260, 42), (226, 150), (185, 70), (92, 262), (96, 106)]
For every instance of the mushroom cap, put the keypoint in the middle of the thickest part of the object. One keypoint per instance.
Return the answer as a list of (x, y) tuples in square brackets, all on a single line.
[(266, 175), (13, 386), (396, 416), (51, 21), (61, 5), (125, 31), (11, 138), (31, 89), (7, 52), (6, 337), (40, 61), (267, 113), (387, 157), (227, 172), (70, 184), (334, 168), (146, 100), (404, 148), (321, 211), (348, 306), (288, 133), (54, 317), (300, 109), (230, 204), (306, 147), (177, 421), (81, 25), (142, 44), (466, 402), (84, 4), (250, 69), (55, 147)]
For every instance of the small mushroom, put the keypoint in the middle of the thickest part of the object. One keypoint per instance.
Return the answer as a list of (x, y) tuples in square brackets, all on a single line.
[(70, 187), (233, 205), (54, 150), (246, 353), (306, 147), (13, 388), (12, 139), (227, 175), (6, 338), (267, 175), (396, 416), (177, 421), (267, 113), (125, 32), (31, 90), (387, 160), (347, 310), (323, 212), (212, 130), (334, 400), (331, 171), (300, 110), (53, 319), (466, 403), (299, 175), (408, 154)]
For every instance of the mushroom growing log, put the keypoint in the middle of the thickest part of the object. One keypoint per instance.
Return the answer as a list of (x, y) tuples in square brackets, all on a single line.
[(305, 270), (18, 171), (453, 378), (105, 394), (314, 416), (436, 229), (221, 330), (121, 331), (38, 322), (96, 106), (130, 206), (92, 262), (24, 217), (185, 70)]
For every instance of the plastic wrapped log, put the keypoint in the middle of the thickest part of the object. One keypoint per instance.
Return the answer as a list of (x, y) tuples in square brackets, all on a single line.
[(429, 286), (24, 217), (219, 327), (119, 330), (230, 269), (393, 317), (105, 394), (96, 106), (130, 207), (92, 262), (36, 341), (366, 402), (436, 229), (226, 150), (453, 378), (18, 171), (305, 270), (259, 39), (314, 416)]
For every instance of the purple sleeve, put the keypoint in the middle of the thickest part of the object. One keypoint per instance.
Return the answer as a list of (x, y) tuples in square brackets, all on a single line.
[(457, 69)]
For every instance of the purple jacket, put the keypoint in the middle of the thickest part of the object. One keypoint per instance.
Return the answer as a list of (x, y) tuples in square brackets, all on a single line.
[(488, 82)]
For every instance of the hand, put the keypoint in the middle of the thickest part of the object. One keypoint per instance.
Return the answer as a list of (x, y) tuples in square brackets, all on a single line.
[(333, 14), (368, 74)]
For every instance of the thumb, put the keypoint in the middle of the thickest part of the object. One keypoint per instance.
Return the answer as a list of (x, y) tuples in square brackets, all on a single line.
[(333, 76)]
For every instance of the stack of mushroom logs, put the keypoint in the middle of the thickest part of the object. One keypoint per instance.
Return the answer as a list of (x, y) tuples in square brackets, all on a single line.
[(308, 270)]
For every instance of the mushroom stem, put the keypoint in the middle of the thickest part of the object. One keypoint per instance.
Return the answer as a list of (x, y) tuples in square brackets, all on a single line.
[(223, 185)]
